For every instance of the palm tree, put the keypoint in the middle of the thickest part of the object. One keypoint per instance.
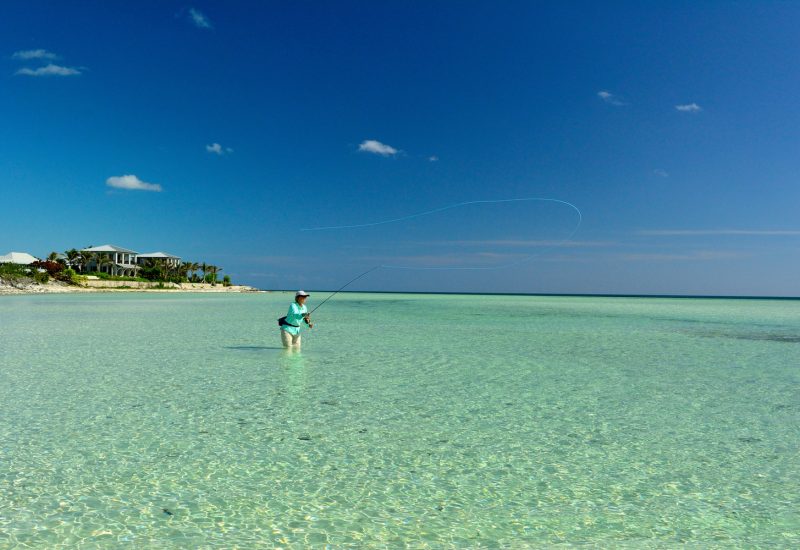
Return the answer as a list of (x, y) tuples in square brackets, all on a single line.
[(195, 267), (148, 266), (85, 258), (203, 267), (184, 270), (163, 269), (88, 258), (104, 259), (73, 258), (52, 257), (213, 270)]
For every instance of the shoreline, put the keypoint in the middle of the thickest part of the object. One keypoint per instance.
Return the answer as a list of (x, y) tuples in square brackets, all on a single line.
[(55, 287)]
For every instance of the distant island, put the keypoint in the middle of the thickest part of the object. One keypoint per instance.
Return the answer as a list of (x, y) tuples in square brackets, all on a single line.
[(109, 267)]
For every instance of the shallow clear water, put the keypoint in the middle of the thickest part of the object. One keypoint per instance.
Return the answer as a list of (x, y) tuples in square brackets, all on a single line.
[(469, 421)]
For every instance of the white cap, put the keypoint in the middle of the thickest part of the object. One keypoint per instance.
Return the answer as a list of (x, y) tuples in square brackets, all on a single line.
[(301, 293)]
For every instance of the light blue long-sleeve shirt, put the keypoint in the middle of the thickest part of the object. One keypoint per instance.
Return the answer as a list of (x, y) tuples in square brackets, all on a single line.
[(295, 317)]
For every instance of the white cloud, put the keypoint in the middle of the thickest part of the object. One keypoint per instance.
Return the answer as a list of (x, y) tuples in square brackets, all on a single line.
[(376, 147), (131, 182), (611, 99), (698, 232), (689, 108), (433, 158), (49, 70), (661, 173), (200, 20), (34, 54), (218, 149)]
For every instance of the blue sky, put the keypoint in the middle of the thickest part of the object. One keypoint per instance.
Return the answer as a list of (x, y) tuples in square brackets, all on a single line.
[(674, 127)]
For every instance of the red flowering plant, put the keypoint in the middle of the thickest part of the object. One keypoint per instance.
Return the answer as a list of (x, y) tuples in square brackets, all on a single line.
[(52, 268)]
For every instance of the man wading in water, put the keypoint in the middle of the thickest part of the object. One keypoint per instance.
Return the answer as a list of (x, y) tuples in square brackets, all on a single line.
[(290, 325)]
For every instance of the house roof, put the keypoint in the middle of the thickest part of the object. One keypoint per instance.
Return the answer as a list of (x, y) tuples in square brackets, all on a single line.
[(158, 255), (18, 258), (108, 248)]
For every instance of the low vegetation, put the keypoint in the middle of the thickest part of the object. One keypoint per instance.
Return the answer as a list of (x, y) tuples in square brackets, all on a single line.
[(40, 272), (72, 267)]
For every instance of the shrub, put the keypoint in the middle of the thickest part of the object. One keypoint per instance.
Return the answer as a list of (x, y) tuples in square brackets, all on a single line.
[(226, 280), (40, 276), (71, 277), (52, 268), (14, 271), (66, 275)]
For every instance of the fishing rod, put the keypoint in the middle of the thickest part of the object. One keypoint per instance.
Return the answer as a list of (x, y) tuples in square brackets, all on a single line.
[(342, 288)]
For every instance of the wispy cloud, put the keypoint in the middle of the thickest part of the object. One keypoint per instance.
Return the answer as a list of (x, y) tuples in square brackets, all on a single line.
[(689, 108), (34, 54), (475, 259), (131, 182), (701, 232), (660, 172), (611, 99), (218, 149), (378, 148), (199, 19), (521, 243), (49, 70), (700, 255), (433, 158)]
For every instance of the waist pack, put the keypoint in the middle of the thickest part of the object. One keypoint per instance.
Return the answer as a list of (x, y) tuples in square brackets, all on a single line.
[(282, 322)]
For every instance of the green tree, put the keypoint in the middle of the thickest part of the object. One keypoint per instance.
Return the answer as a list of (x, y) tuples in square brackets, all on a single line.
[(85, 259), (183, 271), (73, 258), (213, 270), (149, 270), (104, 260)]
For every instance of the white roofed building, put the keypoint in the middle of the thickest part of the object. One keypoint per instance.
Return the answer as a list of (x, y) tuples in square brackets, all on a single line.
[(22, 258), (168, 259), (111, 259)]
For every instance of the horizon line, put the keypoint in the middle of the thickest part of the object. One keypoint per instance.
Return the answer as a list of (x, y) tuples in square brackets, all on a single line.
[(558, 294)]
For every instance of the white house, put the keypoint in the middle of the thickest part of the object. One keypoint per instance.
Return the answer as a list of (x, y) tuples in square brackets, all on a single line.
[(22, 258), (121, 261), (168, 259)]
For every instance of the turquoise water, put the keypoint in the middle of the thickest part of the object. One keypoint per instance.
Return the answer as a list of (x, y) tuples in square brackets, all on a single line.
[(161, 420)]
